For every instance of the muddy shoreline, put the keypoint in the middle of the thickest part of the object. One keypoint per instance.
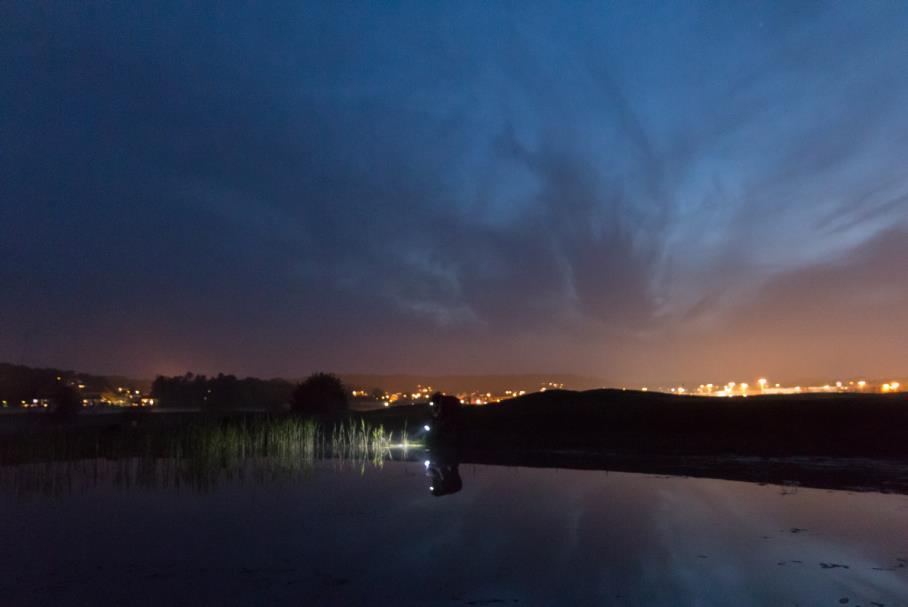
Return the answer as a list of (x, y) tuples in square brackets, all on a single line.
[(837, 473)]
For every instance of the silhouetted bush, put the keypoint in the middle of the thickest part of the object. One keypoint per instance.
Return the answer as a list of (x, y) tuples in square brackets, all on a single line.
[(67, 402), (320, 393)]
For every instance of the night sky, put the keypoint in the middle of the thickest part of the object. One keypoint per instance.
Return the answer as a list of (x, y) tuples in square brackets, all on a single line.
[(628, 190)]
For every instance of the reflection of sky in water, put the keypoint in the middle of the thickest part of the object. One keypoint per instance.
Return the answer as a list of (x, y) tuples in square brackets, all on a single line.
[(514, 535)]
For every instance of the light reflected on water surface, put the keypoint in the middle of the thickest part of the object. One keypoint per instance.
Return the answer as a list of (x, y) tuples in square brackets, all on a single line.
[(362, 532)]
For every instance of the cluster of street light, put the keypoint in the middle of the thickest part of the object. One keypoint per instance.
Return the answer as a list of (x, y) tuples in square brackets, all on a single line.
[(764, 387)]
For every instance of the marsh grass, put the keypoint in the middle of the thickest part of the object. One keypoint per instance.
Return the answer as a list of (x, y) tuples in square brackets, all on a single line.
[(200, 454)]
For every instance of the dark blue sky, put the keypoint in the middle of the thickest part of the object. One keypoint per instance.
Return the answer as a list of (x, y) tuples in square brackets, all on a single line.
[(632, 190)]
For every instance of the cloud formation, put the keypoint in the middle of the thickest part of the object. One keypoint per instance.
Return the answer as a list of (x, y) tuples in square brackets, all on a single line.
[(451, 188)]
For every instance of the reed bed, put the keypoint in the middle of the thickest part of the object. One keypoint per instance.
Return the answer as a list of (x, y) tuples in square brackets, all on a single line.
[(200, 454)]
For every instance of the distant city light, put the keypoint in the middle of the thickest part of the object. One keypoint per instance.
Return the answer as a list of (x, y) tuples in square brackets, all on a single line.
[(890, 387)]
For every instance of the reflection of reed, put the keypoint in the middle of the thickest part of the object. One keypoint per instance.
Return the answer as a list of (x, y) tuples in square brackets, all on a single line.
[(198, 456)]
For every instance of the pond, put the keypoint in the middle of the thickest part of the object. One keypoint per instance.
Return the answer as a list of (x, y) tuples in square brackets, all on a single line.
[(101, 532)]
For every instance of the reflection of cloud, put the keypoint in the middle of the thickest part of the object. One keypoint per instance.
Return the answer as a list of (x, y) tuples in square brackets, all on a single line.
[(544, 537)]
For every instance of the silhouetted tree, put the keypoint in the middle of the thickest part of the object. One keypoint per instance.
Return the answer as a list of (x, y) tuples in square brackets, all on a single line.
[(181, 391), (221, 392), (67, 402), (320, 393)]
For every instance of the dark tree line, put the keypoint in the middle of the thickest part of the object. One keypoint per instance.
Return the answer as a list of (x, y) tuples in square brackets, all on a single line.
[(320, 393), (220, 392)]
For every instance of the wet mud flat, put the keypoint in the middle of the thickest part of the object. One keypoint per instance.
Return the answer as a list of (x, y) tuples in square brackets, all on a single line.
[(848, 474)]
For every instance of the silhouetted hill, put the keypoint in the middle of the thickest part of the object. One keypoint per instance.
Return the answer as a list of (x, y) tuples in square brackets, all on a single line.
[(835, 424), (469, 383), (19, 382)]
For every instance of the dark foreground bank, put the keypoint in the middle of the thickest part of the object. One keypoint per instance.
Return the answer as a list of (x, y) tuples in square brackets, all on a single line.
[(852, 441), (849, 425), (834, 441), (857, 441)]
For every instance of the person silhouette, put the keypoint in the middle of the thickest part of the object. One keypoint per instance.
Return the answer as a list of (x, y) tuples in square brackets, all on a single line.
[(445, 414), (443, 477)]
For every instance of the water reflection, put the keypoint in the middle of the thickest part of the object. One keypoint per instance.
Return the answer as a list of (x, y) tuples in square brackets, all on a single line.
[(326, 533), (443, 475), (56, 479)]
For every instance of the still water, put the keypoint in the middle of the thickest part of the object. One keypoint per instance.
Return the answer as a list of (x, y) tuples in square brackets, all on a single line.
[(365, 535)]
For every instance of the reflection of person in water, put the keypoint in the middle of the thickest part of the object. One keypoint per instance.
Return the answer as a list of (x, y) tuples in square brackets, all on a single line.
[(443, 439), (445, 414), (444, 478)]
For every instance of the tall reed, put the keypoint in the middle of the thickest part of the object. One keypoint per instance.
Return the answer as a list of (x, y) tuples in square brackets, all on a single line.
[(201, 453)]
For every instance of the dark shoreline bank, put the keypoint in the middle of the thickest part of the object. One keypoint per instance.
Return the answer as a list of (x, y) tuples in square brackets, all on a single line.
[(834, 441), (852, 442), (834, 473)]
